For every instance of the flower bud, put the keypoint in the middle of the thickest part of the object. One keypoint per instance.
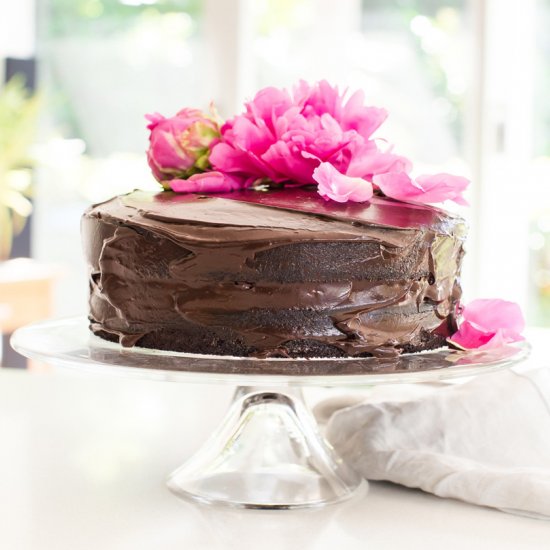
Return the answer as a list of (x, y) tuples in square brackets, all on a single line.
[(180, 146)]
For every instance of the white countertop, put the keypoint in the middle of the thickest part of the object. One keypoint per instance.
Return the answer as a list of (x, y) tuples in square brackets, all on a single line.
[(83, 459)]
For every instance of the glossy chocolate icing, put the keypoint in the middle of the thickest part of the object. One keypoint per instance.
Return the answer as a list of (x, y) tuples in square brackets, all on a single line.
[(272, 274)]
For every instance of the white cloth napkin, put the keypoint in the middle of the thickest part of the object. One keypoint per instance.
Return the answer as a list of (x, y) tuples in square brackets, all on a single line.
[(485, 441)]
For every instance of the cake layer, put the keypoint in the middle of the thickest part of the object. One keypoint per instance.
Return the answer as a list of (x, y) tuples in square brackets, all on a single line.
[(272, 274)]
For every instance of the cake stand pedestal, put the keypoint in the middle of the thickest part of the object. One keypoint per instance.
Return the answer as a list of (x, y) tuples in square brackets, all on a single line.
[(268, 452)]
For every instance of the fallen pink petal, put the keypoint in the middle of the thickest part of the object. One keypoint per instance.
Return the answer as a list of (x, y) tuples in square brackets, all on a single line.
[(489, 323)]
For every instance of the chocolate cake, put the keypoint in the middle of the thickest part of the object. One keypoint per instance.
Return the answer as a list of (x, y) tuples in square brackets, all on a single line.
[(278, 274)]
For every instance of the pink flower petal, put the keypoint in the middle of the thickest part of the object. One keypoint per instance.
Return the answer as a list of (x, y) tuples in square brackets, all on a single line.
[(339, 187), (397, 185), (488, 324), (441, 187), (368, 161), (250, 137), (495, 314), (154, 119), (227, 159), (470, 337), (207, 182), (268, 105), (426, 189), (288, 163), (366, 120), (318, 98)]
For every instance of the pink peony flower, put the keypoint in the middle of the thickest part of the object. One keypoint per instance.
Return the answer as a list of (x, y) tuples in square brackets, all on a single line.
[(284, 137), (488, 324), (311, 135), (205, 182), (339, 187), (179, 146), (426, 189)]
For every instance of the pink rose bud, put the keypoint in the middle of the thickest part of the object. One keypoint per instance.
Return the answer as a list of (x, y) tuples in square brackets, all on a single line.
[(180, 146)]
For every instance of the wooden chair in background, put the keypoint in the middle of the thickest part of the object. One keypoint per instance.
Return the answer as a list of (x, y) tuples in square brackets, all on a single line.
[(26, 296)]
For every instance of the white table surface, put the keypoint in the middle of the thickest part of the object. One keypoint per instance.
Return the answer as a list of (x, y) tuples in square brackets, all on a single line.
[(83, 459)]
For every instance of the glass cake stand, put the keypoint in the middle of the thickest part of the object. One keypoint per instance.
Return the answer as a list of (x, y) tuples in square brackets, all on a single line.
[(268, 452)]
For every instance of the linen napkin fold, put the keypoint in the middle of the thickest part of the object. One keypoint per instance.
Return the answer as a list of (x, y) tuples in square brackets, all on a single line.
[(485, 441)]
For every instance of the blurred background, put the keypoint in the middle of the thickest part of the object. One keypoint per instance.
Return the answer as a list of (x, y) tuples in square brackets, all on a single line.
[(466, 83)]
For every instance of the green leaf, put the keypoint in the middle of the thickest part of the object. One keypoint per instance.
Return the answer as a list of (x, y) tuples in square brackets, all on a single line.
[(18, 119)]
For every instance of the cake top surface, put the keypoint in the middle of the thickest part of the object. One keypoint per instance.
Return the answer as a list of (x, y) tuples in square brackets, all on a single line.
[(293, 209)]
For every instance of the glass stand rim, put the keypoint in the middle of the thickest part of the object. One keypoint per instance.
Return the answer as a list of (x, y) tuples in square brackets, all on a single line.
[(69, 343)]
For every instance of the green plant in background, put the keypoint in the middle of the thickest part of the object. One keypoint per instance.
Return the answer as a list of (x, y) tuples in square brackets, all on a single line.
[(18, 117), (107, 17)]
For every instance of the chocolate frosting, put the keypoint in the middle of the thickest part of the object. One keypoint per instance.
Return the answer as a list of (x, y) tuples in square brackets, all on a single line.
[(272, 273)]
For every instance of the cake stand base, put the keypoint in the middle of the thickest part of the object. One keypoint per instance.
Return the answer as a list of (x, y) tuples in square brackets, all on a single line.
[(267, 454)]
